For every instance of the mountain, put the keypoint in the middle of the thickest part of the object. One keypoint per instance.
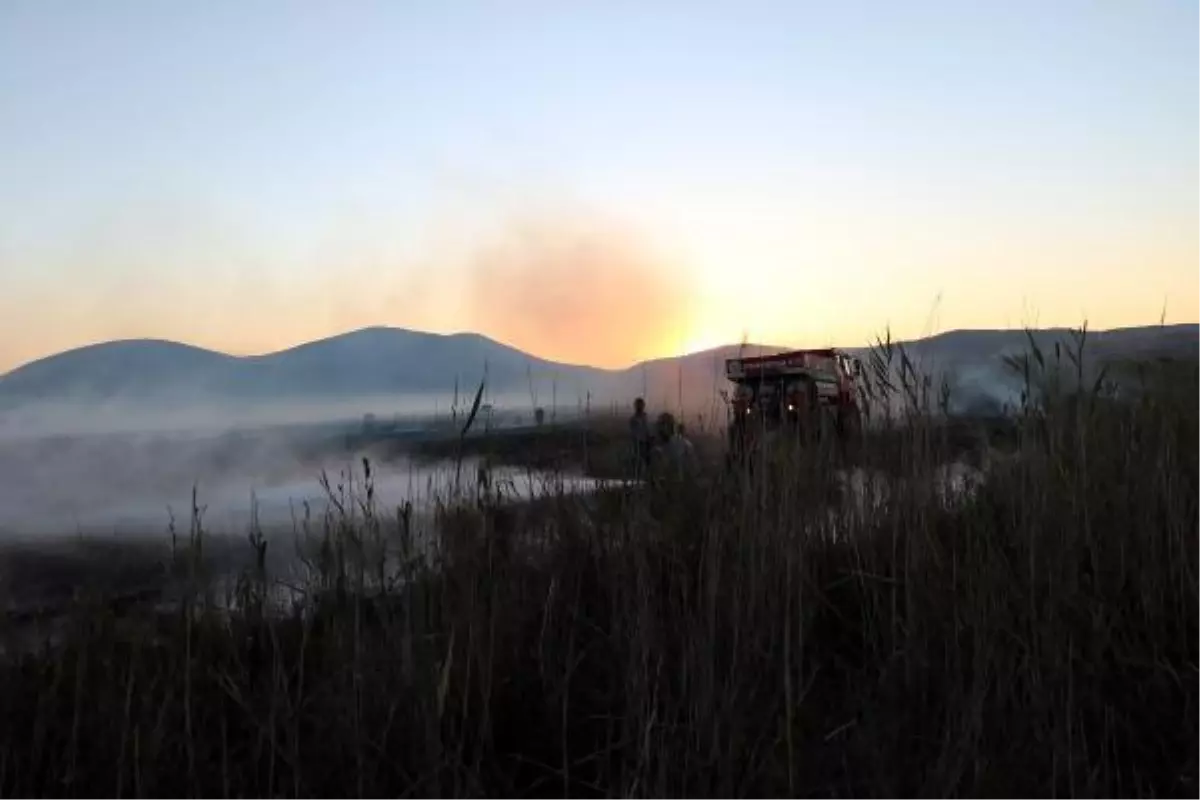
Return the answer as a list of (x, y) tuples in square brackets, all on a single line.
[(369, 362), (136, 368), (975, 345), (389, 362), (380, 361), (970, 362), (973, 364)]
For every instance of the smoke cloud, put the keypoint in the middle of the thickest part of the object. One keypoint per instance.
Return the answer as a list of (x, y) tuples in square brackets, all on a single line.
[(571, 291)]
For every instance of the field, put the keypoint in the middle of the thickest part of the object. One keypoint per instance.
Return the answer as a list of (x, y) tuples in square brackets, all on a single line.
[(833, 622)]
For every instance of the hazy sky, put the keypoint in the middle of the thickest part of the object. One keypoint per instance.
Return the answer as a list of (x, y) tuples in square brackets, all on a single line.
[(596, 181)]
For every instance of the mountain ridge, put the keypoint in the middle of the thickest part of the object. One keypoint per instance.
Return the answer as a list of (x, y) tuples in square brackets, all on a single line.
[(365, 361), (383, 360)]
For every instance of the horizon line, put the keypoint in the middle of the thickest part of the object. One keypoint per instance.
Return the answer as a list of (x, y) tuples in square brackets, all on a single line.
[(478, 334)]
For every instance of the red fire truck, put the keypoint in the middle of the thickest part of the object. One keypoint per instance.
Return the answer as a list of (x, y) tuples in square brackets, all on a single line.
[(800, 389)]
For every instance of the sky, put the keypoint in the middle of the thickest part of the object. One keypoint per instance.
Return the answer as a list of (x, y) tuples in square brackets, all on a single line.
[(593, 182)]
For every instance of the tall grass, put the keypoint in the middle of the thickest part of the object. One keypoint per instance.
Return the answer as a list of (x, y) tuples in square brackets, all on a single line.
[(737, 632)]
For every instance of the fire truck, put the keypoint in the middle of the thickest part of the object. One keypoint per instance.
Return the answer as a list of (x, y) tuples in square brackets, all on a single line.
[(805, 391)]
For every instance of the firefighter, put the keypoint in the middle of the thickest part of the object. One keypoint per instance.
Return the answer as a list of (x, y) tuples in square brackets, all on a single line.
[(681, 450), (674, 449), (639, 433)]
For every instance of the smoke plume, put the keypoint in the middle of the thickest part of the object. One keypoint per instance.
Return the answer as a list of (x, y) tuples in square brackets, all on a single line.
[(584, 293)]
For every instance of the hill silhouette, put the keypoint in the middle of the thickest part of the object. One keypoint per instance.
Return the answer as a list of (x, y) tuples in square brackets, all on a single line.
[(382, 361), (372, 361)]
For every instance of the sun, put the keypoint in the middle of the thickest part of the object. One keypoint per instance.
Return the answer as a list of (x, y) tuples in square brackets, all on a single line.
[(700, 341)]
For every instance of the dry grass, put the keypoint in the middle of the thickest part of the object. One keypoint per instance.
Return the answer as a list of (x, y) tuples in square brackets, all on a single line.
[(733, 634)]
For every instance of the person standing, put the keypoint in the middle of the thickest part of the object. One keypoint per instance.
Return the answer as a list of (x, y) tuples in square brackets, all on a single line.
[(639, 432), (683, 447), (678, 449)]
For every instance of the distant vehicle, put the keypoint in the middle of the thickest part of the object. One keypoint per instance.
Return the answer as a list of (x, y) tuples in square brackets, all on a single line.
[(799, 390)]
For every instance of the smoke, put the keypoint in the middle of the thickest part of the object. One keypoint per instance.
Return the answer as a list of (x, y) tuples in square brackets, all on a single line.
[(123, 467), (133, 483), (63, 484), (590, 293), (197, 414), (984, 389)]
